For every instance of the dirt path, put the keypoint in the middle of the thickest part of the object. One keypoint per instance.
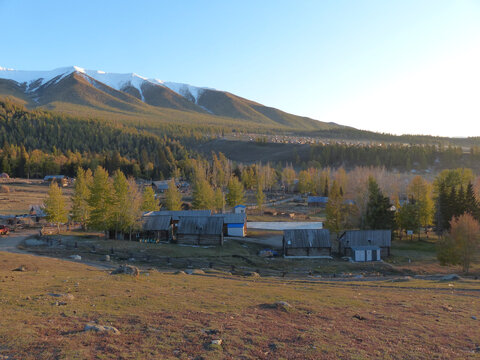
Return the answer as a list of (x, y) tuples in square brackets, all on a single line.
[(11, 242)]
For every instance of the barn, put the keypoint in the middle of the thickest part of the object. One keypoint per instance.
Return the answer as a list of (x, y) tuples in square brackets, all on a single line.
[(176, 214), (156, 228), (234, 224), (307, 243), (200, 230), (366, 240)]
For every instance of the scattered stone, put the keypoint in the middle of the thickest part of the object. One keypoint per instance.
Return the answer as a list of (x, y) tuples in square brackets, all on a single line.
[(21, 268), (101, 329), (359, 317), (447, 308), (65, 296), (60, 303), (75, 257), (279, 305), (217, 342), (106, 258), (126, 269), (195, 272), (253, 274), (451, 277)]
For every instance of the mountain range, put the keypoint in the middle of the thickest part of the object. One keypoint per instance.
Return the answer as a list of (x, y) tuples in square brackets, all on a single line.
[(76, 91)]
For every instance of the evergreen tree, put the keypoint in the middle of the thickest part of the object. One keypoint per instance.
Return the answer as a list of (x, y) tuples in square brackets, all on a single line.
[(173, 197), (471, 203), (235, 195), (149, 203), (81, 194), (407, 217), (55, 206), (379, 214), (100, 200), (336, 212)]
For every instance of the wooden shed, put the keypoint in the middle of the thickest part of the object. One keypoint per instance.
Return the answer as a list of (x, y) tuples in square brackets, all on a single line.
[(177, 214), (156, 228), (200, 230), (307, 243), (361, 238)]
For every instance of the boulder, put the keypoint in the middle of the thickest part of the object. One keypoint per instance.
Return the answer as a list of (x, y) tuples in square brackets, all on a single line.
[(101, 329), (106, 258), (252, 274), (451, 277), (75, 257), (20, 268), (180, 272), (194, 272), (126, 269)]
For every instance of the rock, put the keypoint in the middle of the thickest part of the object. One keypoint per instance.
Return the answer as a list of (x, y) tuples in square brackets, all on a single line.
[(217, 342), (101, 329), (106, 258), (75, 257), (273, 346), (180, 272), (21, 268), (359, 317), (65, 296), (282, 304), (126, 269), (474, 318), (451, 277), (252, 274), (195, 272)]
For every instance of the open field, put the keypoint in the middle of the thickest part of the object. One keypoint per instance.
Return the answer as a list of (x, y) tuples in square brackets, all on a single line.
[(23, 193), (167, 316)]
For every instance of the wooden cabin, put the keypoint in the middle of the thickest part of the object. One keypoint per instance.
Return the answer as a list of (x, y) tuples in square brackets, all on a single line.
[(200, 230), (307, 243), (372, 239), (157, 228), (177, 214)]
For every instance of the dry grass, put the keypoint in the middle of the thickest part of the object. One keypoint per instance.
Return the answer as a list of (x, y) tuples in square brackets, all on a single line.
[(24, 193), (166, 316)]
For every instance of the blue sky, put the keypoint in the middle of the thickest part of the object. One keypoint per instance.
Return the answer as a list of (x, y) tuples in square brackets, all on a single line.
[(388, 66)]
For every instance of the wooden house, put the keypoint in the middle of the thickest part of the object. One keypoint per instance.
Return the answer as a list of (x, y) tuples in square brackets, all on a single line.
[(317, 201), (234, 224), (307, 243), (200, 230), (239, 209), (176, 215), (157, 228), (366, 240)]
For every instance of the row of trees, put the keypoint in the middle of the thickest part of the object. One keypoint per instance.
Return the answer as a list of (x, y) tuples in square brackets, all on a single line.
[(101, 202)]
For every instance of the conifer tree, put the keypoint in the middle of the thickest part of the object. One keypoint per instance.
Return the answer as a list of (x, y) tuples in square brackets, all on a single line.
[(173, 197), (379, 215), (55, 206), (235, 195), (336, 213), (100, 200), (81, 194), (149, 203)]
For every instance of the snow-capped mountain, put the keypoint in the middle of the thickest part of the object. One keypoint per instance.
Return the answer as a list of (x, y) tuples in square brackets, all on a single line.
[(76, 90)]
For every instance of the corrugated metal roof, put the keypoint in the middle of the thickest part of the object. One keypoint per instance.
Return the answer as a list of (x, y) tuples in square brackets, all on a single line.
[(307, 238), (317, 199), (233, 218), (353, 238), (200, 225), (157, 223), (177, 214)]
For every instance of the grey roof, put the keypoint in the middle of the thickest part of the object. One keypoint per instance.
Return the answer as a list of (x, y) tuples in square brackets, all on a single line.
[(317, 199), (306, 238), (181, 213), (51, 177), (233, 218), (157, 223), (200, 225), (366, 238)]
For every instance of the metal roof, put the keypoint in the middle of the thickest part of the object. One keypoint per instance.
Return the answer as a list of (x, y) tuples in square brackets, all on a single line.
[(318, 199), (306, 238), (233, 218), (157, 223), (361, 248), (353, 238), (200, 225), (180, 213)]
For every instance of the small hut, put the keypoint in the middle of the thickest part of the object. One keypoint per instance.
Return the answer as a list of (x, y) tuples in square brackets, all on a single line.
[(157, 228), (200, 230), (234, 224), (307, 243), (370, 241)]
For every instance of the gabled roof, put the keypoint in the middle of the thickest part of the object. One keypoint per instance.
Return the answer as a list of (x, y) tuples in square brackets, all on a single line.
[(157, 223), (306, 238), (177, 214), (242, 206), (200, 225), (357, 238), (233, 218)]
